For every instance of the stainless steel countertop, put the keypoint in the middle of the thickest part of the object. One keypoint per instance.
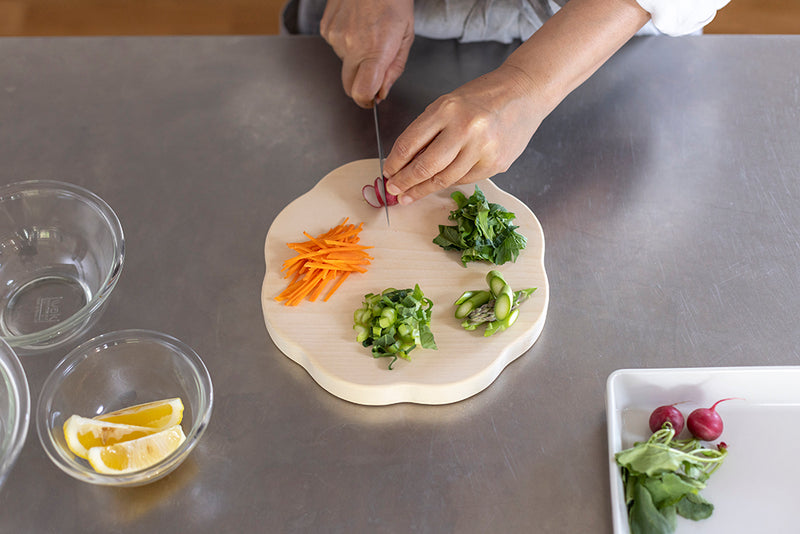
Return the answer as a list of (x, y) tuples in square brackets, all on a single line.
[(668, 187)]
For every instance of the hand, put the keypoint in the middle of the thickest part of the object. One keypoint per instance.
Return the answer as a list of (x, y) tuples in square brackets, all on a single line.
[(373, 38), (473, 133), (479, 129)]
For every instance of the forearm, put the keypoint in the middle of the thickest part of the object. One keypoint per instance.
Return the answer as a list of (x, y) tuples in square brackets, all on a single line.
[(571, 46)]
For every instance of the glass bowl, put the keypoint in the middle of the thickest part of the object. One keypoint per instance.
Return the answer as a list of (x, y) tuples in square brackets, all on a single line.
[(61, 254), (115, 371), (15, 409)]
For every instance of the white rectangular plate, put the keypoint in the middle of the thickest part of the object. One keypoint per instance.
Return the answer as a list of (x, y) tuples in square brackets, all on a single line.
[(755, 490)]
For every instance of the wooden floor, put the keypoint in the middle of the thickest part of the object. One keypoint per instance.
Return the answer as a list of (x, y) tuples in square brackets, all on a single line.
[(244, 17)]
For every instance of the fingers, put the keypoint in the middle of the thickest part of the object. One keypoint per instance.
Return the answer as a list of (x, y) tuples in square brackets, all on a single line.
[(409, 144), (362, 79), (440, 165), (366, 77), (443, 180), (426, 152), (397, 66), (373, 39)]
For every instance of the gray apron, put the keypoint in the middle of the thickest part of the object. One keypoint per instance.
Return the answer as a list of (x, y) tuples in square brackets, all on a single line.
[(464, 20)]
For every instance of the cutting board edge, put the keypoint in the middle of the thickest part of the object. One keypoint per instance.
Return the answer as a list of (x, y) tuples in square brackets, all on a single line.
[(399, 393)]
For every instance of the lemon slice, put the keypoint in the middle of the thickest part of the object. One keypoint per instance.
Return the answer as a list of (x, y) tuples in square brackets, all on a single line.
[(81, 434), (159, 414), (136, 454)]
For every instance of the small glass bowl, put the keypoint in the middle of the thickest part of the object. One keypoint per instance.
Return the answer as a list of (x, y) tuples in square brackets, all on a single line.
[(61, 254), (115, 371), (15, 409)]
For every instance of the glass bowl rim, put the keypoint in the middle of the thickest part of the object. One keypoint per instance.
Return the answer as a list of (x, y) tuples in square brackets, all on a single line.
[(62, 458), (26, 187), (11, 367)]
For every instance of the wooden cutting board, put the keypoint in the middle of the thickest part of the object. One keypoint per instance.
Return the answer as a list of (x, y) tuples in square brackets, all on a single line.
[(319, 335)]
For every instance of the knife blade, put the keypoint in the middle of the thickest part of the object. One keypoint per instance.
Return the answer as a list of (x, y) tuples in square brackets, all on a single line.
[(380, 160)]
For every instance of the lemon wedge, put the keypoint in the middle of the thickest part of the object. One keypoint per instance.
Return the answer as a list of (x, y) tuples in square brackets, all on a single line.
[(136, 454), (81, 434), (159, 414)]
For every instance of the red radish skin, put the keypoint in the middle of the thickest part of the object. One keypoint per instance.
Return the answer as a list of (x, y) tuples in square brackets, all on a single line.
[(664, 414), (706, 423), (372, 194)]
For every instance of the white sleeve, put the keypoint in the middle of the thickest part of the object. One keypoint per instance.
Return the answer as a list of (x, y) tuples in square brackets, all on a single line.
[(681, 17)]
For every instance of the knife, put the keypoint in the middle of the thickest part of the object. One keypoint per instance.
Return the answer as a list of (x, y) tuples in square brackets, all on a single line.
[(382, 181)]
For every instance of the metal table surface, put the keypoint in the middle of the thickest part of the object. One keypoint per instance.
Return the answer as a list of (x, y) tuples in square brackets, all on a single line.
[(668, 187)]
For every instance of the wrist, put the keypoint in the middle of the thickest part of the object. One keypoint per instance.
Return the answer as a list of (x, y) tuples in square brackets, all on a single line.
[(572, 45), (535, 94)]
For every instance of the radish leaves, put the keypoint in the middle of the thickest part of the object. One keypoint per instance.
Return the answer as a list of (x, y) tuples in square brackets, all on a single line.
[(663, 477)]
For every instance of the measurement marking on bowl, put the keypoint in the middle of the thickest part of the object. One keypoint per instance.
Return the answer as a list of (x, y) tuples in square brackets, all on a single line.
[(41, 303), (48, 310)]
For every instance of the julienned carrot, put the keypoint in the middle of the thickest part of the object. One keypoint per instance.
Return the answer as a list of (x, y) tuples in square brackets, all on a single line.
[(331, 256)]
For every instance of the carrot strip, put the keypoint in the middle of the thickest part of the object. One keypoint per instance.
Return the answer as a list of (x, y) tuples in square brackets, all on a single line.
[(340, 267), (338, 283), (327, 258), (320, 286), (348, 256), (294, 290), (345, 244), (340, 247)]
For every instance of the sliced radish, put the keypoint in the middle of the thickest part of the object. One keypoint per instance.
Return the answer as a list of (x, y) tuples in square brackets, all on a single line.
[(372, 194), (391, 199)]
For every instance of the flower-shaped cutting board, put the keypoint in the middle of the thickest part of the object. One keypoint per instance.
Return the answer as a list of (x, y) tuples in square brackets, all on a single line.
[(319, 335)]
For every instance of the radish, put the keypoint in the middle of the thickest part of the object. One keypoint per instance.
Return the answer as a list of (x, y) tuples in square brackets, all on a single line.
[(705, 423), (666, 414), (372, 194)]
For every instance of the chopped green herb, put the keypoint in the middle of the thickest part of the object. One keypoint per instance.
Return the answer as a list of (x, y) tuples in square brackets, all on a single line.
[(483, 231), (394, 323)]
